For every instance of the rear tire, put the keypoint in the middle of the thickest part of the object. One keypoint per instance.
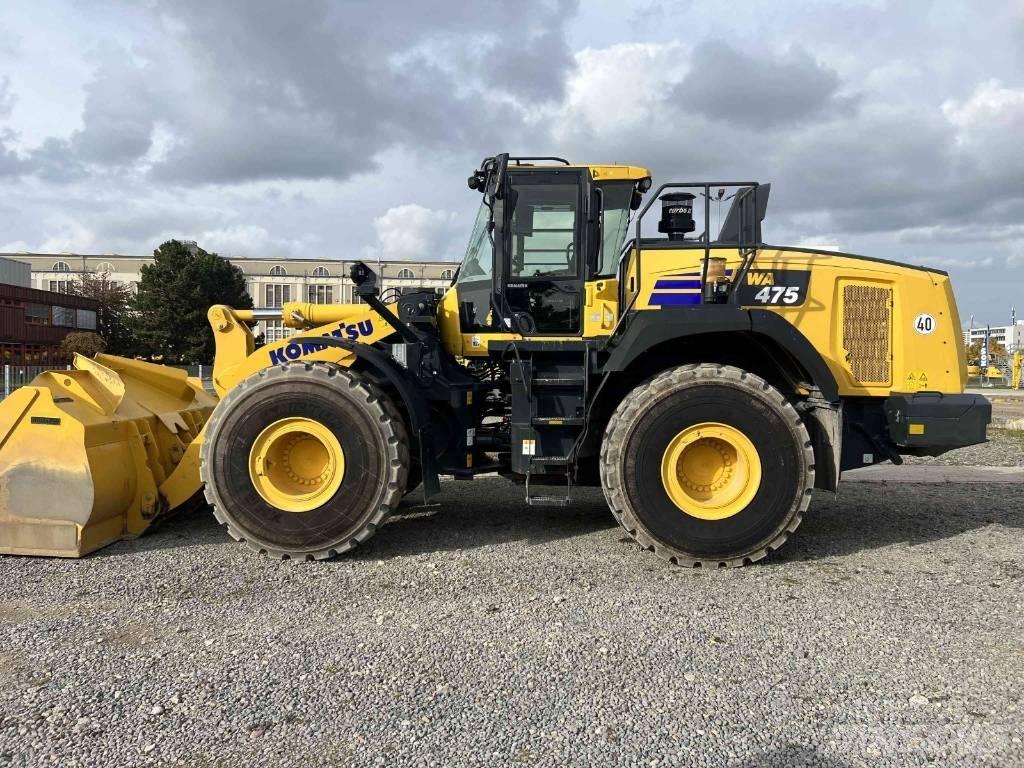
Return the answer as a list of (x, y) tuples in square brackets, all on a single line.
[(765, 451), (349, 413)]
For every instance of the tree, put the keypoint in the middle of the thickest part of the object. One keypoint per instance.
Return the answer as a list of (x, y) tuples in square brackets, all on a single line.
[(997, 353), (82, 343), (115, 316), (174, 295)]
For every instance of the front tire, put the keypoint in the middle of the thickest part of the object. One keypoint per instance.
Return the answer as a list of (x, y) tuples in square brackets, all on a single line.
[(707, 465), (304, 461)]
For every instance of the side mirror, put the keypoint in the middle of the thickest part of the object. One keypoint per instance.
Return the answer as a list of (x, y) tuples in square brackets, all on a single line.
[(496, 168), (364, 278)]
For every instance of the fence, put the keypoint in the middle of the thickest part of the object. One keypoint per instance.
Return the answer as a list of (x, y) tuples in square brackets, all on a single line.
[(19, 375), (202, 372)]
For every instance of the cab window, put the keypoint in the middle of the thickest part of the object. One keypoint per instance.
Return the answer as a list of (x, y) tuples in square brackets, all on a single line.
[(544, 230), (615, 219), (478, 262)]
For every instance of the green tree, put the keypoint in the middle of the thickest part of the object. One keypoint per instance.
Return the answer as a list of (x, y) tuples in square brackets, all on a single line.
[(82, 343), (115, 316), (174, 295), (997, 353)]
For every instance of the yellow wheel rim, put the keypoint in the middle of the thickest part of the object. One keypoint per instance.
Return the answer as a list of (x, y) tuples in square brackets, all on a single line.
[(296, 464), (711, 471)]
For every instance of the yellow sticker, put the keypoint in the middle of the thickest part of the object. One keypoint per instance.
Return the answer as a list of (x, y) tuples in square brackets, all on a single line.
[(917, 429), (916, 381)]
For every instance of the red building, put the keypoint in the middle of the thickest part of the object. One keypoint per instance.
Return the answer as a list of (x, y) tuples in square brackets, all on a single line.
[(33, 323)]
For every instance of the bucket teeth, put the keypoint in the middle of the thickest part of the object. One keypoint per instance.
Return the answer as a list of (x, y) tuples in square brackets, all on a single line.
[(96, 454)]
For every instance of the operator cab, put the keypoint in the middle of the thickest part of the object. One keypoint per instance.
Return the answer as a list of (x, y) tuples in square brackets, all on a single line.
[(544, 228)]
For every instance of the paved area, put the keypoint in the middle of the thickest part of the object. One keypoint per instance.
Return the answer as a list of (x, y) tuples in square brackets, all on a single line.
[(916, 474), (480, 631)]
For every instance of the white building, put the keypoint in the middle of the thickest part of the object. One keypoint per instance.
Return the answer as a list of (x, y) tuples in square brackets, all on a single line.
[(270, 282), (1010, 336)]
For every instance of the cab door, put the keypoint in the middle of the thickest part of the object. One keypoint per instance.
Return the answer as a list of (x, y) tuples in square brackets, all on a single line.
[(545, 251)]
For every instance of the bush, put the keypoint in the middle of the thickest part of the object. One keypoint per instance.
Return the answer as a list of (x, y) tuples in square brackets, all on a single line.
[(83, 343)]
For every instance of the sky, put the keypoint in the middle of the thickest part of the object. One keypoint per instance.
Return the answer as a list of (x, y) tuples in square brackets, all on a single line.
[(343, 129)]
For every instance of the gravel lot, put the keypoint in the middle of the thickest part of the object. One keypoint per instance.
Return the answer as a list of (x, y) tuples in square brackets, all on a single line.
[(889, 631)]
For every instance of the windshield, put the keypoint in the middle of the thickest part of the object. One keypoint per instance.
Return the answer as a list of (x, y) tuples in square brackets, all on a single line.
[(479, 258), (613, 223)]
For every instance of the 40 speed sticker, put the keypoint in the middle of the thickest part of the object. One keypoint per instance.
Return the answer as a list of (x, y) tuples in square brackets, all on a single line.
[(924, 324), (774, 287)]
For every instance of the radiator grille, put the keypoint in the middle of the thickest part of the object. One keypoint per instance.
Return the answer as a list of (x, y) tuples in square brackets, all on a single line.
[(867, 331)]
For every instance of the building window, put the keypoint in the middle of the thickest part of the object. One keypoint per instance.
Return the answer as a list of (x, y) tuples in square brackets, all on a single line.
[(37, 314), (278, 271), (277, 294), (61, 286), (61, 266), (64, 317), (321, 272), (405, 274), (320, 294), (447, 274), (276, 331), (104, 268), (85, 319)]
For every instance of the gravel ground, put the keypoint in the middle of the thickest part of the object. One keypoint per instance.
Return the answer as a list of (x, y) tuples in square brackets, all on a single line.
[(482, 631), (1005, 448)]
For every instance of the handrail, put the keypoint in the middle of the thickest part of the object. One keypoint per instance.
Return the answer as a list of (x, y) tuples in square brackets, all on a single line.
[(637, 243), (518, 160)]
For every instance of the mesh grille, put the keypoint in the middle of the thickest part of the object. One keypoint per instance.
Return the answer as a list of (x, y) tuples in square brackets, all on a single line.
[(867, 321)]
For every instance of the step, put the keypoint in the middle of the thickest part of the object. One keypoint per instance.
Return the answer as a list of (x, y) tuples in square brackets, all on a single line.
[(560, 421), (558, 381), (548, 501), (550, 461)]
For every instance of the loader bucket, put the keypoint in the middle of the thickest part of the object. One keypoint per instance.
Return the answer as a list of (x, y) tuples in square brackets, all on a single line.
[(97, 454)]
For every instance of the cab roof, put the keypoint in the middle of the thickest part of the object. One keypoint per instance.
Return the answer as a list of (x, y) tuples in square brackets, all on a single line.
[(600, 172)]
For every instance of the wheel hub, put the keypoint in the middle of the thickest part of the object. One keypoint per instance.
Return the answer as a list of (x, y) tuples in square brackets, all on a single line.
[(711, 471), (296, 464)]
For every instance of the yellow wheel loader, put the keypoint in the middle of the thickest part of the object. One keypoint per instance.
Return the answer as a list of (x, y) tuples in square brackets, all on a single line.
[(707, 382)]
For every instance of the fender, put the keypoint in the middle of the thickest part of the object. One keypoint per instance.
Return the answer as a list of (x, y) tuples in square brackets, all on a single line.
[(649, 328), (408, 389)]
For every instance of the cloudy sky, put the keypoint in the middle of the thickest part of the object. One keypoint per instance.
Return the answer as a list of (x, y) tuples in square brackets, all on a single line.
[(344, 128)]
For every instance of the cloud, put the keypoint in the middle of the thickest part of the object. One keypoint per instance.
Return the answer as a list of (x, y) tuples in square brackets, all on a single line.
[(254, 240), (763, 88), (276, 94), (988, 128), (6, 97), (69, 236), (120, 112), (263, 131), (415, 233)]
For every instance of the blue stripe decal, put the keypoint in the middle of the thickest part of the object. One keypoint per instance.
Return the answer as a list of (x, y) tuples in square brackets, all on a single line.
[(664, 299), (694, 284)]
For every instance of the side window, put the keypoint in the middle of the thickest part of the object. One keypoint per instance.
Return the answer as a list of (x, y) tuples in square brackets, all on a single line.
[(614, 220), (543, 232)]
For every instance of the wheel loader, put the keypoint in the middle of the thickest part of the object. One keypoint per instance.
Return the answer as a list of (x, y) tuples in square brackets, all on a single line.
[(708, 383)]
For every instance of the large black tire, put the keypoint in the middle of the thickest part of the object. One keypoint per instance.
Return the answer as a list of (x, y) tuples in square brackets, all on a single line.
[(368, 428), (643, 426)]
